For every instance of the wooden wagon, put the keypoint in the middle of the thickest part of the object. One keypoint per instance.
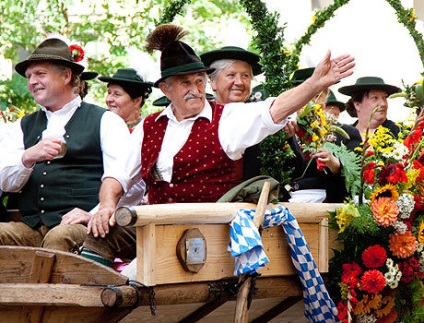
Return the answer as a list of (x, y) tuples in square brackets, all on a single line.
[(184, 271)]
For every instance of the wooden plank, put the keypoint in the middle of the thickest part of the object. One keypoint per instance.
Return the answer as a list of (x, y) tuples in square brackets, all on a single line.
[(219, 264), (65, 314), (146, 254), (16, 263), (323, 254), (51, 295), (277, 309), (40, 273), (202, 311), (213, 213)]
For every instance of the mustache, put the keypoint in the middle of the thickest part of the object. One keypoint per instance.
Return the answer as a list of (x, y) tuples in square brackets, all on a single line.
[(189, 96)]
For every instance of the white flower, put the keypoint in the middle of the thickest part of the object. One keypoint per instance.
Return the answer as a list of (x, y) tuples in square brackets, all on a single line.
[(366, 319), (398, 152), (400, 227), (405, 204)]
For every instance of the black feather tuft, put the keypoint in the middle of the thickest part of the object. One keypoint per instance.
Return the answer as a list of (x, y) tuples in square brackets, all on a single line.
[(164, 35)]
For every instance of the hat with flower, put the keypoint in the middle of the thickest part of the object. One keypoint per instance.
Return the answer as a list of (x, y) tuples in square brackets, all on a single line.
[(235, 53), (177, 57), (54, 49), (369, 83), (130, 81)]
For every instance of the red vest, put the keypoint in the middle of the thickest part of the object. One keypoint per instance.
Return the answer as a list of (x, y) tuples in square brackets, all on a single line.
[(202, 171)]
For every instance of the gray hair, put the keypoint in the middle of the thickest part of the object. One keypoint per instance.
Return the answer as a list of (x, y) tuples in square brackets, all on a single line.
[(222, 64)]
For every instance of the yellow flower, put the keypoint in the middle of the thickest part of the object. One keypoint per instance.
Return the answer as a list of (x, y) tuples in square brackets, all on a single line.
[(315, 124), (412, 16), (345, 215), (388, 190), (421, 233), (385, 310)]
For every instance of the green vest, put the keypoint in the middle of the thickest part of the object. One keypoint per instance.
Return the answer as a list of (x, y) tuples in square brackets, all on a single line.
[(58, 186)]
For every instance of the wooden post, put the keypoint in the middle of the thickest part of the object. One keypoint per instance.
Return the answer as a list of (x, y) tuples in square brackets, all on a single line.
[(242, 311), (40, 273)]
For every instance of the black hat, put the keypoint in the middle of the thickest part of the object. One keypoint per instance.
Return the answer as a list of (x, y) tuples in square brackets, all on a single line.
[(369, 83), (53, 49), (301, 75), (177, 57), (233, 52), (130, 81), (332, 100), (88, 75), (163, 101)]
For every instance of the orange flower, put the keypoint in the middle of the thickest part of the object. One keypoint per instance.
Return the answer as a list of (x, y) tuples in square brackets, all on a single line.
[(403, 245), (385, 211)]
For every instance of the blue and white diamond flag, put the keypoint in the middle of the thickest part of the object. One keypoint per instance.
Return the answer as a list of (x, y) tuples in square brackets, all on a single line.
[(246, 246)]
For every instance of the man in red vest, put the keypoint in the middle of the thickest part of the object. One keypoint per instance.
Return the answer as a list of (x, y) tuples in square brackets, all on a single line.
[(190, 151)]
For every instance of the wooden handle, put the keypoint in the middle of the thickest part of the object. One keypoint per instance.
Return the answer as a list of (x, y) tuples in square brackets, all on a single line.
[(180, 213), (212, 213), (241, 314)]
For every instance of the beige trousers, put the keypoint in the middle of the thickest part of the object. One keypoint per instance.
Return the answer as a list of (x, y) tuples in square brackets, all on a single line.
[(65, 237)]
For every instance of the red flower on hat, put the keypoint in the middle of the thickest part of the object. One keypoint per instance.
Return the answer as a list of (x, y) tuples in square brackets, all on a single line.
[(77, 53)]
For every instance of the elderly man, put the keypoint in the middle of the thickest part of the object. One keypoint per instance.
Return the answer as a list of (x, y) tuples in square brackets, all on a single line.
[(190, 151), (54, 158), (366, 94)]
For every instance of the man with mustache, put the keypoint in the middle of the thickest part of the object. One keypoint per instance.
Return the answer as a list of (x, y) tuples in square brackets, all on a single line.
[(191, 150)]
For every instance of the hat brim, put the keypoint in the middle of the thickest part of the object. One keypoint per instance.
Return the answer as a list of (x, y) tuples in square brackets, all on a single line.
[(118, 80), (248, 57), (351, 89), (207, 70), (86, 76), (338, 104), (21, 67)]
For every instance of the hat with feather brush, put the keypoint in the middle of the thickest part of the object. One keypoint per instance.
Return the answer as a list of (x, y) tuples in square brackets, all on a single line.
[(177, 58)]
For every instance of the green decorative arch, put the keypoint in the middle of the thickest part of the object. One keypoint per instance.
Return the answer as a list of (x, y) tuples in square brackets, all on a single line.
[(279, 62)]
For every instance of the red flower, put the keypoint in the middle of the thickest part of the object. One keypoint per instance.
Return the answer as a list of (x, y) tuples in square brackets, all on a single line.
[(420, 167), (342, 311), (373, 281), (320, 165), (398, 175), (77, 53), (409, 270), (413, 138), (374, 257), (301, 133), (350, 273), (369, 173)]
